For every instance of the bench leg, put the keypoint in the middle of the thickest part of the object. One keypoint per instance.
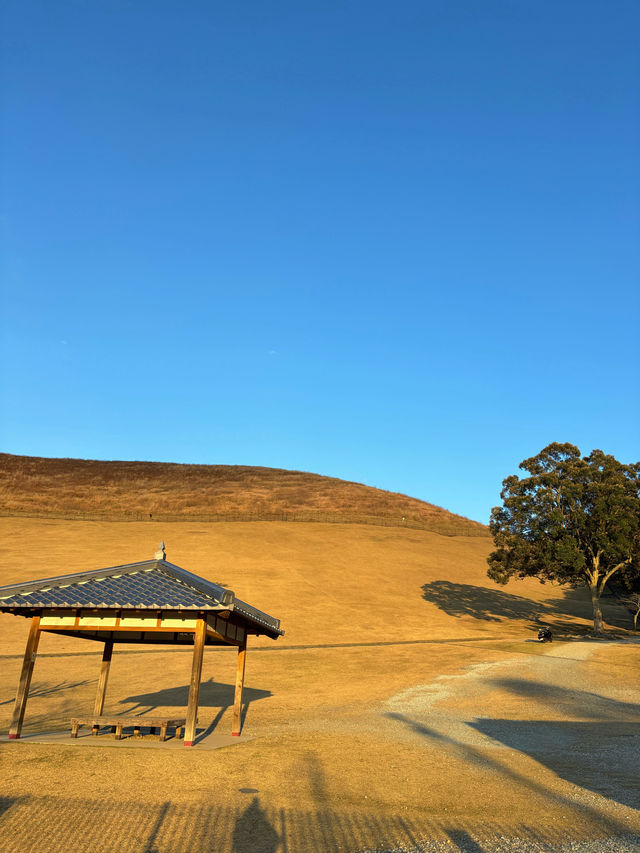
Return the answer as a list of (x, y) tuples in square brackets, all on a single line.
[(118, 735), (178, 732), (136, 730), (74, 729), (95, 728), (163, 733)]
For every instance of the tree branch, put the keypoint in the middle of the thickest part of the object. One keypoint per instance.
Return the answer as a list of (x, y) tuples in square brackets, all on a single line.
[(614, 570)]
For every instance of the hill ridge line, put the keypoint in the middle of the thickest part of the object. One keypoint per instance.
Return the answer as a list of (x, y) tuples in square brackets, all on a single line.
[(87, 489)]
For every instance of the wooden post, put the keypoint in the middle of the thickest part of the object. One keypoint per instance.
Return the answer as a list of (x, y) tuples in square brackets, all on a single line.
[(102, 681), (237, 704), (194, 686), (25, 679)]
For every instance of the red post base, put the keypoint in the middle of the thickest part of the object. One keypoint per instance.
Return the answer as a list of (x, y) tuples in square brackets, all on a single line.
[(14, 737), (188, 743), (235, 734)]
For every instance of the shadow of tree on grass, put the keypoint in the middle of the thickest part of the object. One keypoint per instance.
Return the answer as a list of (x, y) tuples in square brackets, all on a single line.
[(563, 746), (599, 756), (5, 804), (490, 605), (576, 703), (51, 689), (495, 605)]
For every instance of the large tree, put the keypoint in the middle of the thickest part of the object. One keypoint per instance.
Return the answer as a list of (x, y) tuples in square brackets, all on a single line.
[(574, 520)]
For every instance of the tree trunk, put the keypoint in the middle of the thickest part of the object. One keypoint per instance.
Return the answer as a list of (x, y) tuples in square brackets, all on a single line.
[(598, 621)]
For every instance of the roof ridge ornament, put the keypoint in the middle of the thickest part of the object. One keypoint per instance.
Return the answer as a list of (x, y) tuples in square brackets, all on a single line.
[(161, 553)]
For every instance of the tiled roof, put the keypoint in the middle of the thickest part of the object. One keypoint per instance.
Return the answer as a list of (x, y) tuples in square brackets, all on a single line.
[(148, 588), (153, 584)]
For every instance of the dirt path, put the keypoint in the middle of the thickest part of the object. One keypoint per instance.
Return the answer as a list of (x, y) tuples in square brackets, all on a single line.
[(555, 686), (563, 709)]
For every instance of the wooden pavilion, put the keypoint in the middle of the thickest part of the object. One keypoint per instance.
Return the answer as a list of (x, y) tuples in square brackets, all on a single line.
[(148, 602)]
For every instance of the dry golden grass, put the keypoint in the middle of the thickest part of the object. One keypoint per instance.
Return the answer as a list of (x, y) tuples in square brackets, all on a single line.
[(369, 613), (80, 488), (332, 583)]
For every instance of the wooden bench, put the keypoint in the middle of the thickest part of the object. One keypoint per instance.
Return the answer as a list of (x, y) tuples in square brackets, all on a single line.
[(117, 724)]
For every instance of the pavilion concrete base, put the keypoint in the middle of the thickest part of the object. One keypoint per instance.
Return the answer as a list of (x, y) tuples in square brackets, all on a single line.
[(104, 740)]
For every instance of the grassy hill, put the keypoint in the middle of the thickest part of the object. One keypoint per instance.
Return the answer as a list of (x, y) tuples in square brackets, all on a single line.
[(328, 583), (142, 491), (351, 741)]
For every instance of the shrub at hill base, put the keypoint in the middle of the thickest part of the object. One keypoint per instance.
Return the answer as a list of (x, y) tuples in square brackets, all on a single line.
[(574, 520)]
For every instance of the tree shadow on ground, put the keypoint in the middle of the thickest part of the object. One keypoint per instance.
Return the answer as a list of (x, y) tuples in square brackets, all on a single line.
[(495, 605), (597, 774), (600, 753), (490, 605), (602, 757), (51, 689), (576, 703), (213, 694), (5, 804)]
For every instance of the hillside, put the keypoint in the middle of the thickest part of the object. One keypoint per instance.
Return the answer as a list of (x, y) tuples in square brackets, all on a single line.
[(399, 655), (158, 491), (328, 583)]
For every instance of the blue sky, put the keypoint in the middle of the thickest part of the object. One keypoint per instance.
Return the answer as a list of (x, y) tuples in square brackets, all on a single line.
[(395, 243)]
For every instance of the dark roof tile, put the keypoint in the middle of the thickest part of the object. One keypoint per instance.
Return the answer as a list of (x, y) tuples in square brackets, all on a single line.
[(154, 584)]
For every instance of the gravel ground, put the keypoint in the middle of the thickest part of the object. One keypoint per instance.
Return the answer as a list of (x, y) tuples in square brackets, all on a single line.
[(542, 704), (589, 739), (621, 844)]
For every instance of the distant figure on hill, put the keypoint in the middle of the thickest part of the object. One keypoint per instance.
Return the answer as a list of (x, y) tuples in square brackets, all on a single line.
[(544, 634)]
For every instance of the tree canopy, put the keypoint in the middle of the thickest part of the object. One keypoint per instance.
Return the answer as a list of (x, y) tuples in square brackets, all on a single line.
[(573, 520)]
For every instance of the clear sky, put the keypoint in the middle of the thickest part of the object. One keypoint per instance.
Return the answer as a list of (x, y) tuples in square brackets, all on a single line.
[(392, 242)]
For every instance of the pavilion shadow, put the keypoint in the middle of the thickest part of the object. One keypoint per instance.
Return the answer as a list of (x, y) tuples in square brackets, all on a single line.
[(213, 694)]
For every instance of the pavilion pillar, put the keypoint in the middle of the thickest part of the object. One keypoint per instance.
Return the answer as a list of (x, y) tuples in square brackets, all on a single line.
[(194, 686), (237, 703), (25, 679), (104, 676)]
